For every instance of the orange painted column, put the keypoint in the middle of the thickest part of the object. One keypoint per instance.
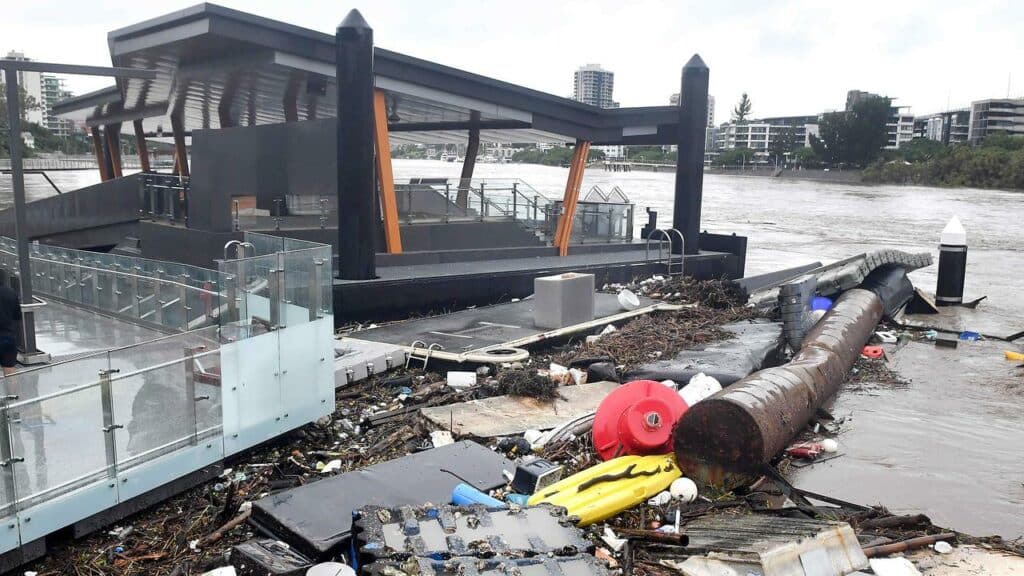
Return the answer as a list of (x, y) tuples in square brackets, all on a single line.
[(385, 176), (572, 194)]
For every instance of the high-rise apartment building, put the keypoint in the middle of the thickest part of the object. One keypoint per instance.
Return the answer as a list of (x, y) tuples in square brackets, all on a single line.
[(594, 85), (45, 90)]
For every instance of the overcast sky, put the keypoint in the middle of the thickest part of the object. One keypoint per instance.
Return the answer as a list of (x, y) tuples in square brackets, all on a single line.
[(792, 57)]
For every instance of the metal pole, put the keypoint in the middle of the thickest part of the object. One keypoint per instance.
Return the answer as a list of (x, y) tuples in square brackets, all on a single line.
[(357, 191), (109, 426), (28, 326), (693, 104)]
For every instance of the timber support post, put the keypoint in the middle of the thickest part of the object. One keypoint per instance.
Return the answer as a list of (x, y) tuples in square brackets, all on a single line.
[(572, 194)]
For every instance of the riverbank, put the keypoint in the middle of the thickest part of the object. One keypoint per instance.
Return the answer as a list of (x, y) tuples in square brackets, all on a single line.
[(811, 175)]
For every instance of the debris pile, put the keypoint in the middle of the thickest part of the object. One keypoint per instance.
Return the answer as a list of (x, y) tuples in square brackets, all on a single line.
[(550, 479)]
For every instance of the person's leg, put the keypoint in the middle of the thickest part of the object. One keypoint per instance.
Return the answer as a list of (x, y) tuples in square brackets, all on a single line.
[(8, 354)]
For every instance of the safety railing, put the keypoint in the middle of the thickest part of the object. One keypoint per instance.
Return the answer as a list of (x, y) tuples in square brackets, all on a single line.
[(80, 436), (166, 295), (94, 419), (596, 222), (164, 197)]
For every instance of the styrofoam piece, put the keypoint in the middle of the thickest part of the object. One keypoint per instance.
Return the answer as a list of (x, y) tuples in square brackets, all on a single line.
[(461, 380), (893, 567), (355, 360)]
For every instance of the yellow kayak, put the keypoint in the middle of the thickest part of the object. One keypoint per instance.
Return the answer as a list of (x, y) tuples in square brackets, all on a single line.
[(604, 490)]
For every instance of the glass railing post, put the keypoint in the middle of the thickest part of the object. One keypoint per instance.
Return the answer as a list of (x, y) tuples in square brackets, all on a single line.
[(629, 224), (515, 201), (7, 459), (483, 202), (447, 202), (183, 302), (190, 394), (231, 293), (237, 222), (109, 426), (315, 289), (158, 303), (276, 290), (133, 283)]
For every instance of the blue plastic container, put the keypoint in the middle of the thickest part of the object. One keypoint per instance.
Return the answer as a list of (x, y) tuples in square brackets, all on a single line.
[(466, 495)]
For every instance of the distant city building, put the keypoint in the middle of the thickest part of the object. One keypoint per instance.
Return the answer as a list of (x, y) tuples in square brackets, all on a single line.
[(674, 101), (950, 127), (594, 85), (710, 133), (900, 124), (758, 135), (45, 90), (993, 116)]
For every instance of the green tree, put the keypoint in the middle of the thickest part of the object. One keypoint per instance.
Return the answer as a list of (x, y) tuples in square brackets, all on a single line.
[(921, 150), (781, 145), (856, 136), (1004, 140), (741, 113), (806, 157), (735, 157), (27, 103)]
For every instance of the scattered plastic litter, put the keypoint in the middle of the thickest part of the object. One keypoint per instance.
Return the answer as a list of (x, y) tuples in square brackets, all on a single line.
[(660, 499), (440, 438), (684, 490), (886, 337), (698, 388), (628, 300), (943, 547), (969, 336), (821, 303), (466, 495), (461, 380), (637, 418), (1014, 356), (604, 490), (873, 352)]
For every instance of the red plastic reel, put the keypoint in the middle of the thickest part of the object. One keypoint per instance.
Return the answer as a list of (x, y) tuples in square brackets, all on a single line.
[(637, 418)]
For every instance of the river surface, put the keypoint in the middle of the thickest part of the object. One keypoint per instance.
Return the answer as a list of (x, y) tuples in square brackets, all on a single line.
[(951, 443)]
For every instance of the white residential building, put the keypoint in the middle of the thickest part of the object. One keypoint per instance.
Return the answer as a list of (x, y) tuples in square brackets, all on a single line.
[(996, 115), (594, 85), (757, 135)]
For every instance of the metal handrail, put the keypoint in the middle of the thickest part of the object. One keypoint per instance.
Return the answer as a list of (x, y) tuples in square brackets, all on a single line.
[(666, 237), (112, 271), (113, 378)]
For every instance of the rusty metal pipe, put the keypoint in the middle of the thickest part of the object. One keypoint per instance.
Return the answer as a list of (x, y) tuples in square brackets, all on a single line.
[(905, 545), (741, 428)]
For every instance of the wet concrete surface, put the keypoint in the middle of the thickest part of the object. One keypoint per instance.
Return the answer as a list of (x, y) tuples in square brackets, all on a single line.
[(949, 444)]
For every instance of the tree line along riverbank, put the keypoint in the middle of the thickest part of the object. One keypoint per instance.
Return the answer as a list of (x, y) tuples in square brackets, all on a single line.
[(997, 163)]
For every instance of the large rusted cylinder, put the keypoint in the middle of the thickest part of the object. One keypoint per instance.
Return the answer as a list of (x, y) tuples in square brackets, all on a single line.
[(744, 426)]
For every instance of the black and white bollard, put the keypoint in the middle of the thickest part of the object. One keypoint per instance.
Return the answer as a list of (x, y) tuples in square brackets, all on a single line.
[(949, 290)]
